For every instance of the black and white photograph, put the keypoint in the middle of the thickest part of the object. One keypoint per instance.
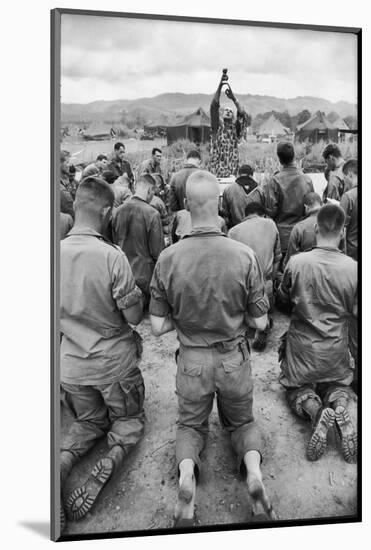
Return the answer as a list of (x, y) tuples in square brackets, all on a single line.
[(206, 366)]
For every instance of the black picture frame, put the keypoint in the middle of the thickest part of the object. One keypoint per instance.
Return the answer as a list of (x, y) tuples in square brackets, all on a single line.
[(56, 15)]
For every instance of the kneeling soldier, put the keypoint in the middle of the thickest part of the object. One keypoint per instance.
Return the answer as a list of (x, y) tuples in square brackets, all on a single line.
[(208, 287), (100, 352), (321, 285)]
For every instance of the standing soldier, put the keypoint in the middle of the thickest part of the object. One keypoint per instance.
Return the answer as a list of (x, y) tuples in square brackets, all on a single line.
[(119, 165), (334, 163), (208, 288), (226, 134), (152, 165), (178, 180), (100, 352), (66, 197), (349, 203), (285, 192), (238, 195)]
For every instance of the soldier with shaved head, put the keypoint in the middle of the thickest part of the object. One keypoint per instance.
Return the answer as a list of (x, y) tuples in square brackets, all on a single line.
[(210, 289), (303, 235), (99, 353)]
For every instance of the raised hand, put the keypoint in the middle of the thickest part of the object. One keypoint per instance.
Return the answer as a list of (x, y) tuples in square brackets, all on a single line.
[(229, 93)]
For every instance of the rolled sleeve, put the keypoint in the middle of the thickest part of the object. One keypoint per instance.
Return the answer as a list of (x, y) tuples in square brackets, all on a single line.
[(124, 290), (159, 305), (258, 303)]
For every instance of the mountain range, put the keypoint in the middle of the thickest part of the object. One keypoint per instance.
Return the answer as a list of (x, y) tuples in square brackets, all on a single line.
[(165, 107)]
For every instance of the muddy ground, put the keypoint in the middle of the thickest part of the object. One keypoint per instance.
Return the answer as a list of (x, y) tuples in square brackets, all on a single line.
[(143, 495)]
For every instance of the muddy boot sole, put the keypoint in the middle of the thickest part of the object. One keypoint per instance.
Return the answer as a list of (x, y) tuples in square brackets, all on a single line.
[(81, 500), (348, 435), (62, 520), (318, 441)]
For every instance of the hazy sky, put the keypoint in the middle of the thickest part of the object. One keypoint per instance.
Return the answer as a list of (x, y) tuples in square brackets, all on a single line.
[(117, 58)]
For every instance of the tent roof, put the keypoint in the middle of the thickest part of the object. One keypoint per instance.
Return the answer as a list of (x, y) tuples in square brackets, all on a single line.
[(340, 124), (272, 126), (162, 120), (196, 119), (318, 121)]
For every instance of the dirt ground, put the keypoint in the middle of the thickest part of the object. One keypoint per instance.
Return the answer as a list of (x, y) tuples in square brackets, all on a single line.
[(143, 494)]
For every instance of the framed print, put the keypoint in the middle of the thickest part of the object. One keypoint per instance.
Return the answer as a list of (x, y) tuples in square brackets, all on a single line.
[(205, 281)]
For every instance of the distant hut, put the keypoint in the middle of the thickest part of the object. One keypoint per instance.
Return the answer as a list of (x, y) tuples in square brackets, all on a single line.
[(344, 132), (157, 126), (272, 128), (317, 128), (196, 127)]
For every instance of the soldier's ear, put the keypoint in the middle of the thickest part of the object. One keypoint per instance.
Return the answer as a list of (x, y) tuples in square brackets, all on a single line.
[(316, 229), (107, 213)]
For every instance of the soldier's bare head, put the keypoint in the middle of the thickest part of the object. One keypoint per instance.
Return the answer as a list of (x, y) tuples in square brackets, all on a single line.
[(330, 223), (285, 152), (228, 114), (350, 171), (145, 187), (202, 192), (93, 203)]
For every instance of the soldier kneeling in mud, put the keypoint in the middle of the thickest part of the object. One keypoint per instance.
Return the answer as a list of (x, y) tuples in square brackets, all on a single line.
[(321, 286), (209, 289), (100, 377)]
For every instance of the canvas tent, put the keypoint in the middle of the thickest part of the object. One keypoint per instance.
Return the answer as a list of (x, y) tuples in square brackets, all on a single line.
[(196, 127), (272, 127), (158, 125), (344, 132), (317, 128)]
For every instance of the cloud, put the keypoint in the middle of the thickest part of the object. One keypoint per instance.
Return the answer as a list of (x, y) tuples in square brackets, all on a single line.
[(125, 57)]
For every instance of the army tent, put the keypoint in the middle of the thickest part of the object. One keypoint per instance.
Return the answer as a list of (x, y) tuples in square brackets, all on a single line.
[(196, 127), (272, 127), (317, 128)]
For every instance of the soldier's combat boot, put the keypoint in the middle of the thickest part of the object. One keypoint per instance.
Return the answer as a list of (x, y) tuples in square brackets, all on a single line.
[(81, 500), (347, 432), (67, 460), (324, 420)]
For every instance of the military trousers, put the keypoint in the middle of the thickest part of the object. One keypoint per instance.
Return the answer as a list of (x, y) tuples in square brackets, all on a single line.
[(325, 393), (114, 409), (203, 373)]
